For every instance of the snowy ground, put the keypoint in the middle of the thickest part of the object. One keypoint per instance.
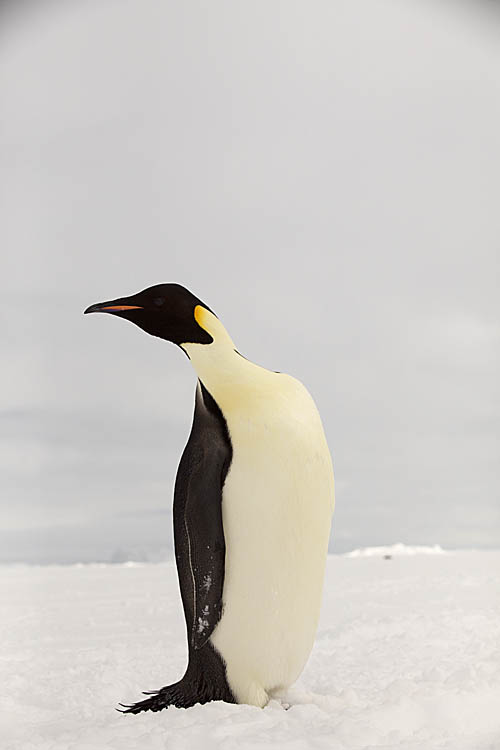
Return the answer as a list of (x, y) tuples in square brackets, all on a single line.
[(407, 657)]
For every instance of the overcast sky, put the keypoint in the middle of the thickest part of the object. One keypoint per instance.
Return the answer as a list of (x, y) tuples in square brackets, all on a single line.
[(325, 175)]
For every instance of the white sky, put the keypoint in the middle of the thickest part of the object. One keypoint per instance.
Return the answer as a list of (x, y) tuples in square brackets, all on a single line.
[(325, 175)]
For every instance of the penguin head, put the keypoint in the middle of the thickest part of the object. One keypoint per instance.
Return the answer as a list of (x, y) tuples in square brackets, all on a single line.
[(169, 311)]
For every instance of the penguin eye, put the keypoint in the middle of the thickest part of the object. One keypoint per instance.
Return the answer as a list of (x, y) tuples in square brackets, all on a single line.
[(158, 301)]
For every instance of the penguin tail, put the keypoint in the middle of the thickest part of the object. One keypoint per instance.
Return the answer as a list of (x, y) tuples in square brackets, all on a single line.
[(182, 694), (204, 681), (171, 695)]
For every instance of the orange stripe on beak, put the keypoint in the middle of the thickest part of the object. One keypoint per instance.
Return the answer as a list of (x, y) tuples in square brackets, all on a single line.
[(117, 308)]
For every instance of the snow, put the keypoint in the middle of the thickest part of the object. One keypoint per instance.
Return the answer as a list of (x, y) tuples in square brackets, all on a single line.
[(396, 549), (407, 657)]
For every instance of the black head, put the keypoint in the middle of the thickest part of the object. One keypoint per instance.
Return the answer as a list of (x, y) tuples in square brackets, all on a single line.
[(164, 310)]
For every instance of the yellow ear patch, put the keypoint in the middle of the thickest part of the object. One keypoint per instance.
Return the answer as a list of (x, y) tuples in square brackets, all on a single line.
[(200, 317)]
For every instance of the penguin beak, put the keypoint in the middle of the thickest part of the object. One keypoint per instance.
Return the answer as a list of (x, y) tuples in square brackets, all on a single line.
[(113, 306)]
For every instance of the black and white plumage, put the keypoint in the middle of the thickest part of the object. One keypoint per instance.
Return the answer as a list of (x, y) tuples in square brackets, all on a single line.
[(252, 510)]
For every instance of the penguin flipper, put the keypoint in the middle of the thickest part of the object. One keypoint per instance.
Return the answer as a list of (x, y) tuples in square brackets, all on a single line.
[(199, 534)]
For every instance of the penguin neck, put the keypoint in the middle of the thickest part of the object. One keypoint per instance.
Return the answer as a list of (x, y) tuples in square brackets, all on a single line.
[(231, 379)]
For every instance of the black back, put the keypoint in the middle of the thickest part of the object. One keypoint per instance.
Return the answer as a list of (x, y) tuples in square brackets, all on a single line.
[(198, 532), (200, 554)]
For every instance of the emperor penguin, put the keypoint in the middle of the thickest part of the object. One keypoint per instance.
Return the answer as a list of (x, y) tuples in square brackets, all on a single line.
[(253, 504)]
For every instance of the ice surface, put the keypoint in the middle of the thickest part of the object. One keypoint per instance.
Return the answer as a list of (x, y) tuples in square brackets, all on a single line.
[(407, 657)]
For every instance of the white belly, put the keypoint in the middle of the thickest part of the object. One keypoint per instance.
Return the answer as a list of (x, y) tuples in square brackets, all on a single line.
[(277, 507)]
